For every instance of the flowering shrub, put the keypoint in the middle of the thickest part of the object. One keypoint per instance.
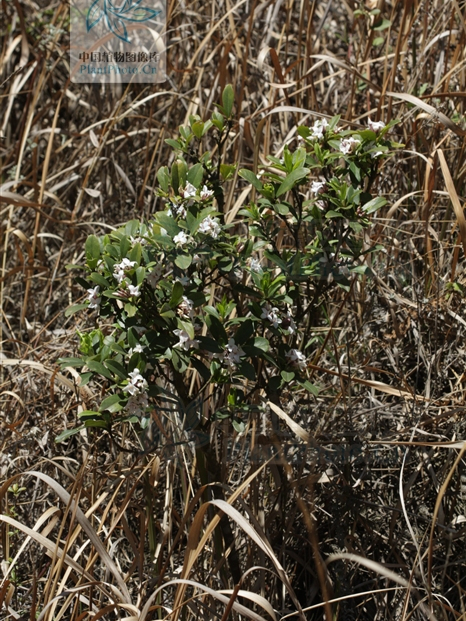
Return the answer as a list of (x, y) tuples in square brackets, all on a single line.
[(218, 311)]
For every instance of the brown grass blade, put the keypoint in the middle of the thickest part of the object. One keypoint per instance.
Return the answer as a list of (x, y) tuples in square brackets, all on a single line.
[(453, 197), (436, 114), (295, 428), (85, 525)]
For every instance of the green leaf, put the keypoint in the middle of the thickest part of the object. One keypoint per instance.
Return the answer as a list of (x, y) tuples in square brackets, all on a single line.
[(99, 280), (198, 129), (310, 387), (227, 171), (216, 329), (281, 209), (238, 425), (182, 172), (111, 404), (244, 332), (70, 362), (251, 178), (85, 378), (130, 309), (262, 343), (246, 369), (203, 371), (177, 294), (140, 273), (117, 368), (225, 264), (92, 247), (175, 178), (228, 98), (98, 367), (64, 435), (333, 214), (71, 310), (174, 144), (287, 376), (163, 178), (375, 204), (89, 414), (125, 245), (183, 261), (211, 310), (195, 174), (386, 23), (378, 41), (291, 180), (102, 424), (275, 258), (135, 255), (205, 342), (167, 222), (356, 171)]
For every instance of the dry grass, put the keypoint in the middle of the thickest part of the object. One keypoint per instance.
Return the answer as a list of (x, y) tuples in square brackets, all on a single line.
[(361, 513)]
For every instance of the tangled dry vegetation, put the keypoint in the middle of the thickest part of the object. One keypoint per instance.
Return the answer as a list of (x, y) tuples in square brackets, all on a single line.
[(365, 519)]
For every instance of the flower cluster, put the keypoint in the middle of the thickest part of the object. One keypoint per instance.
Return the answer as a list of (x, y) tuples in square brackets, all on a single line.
[(196, 302), (210, 226), (232, 354), (120, 269), (185, 342), (136, 384), (94, 297)]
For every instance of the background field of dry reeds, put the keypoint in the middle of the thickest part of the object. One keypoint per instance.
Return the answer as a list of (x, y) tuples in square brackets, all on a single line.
[(367, 521)]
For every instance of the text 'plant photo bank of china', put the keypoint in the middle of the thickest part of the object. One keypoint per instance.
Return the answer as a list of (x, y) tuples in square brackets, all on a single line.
[(115, 42)]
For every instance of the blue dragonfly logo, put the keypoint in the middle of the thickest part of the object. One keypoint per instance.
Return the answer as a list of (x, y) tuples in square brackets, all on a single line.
[(115, 17)]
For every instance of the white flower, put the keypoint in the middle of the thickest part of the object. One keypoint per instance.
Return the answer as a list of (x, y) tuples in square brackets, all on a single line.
[(206, 193), (376, 154), (137, 404), (270, 313), (318, 187), (296, 358), (210, 226), (181, 238), (134, 291), (186, 308), (375, 126), (120, 269), (176, 210), (188, 191), (288, 324), (255, 266), (137, 240), (94, 297), (348, 145), (126, 264), (320, 205), (319, 128), (232, 354), (137, 349), (137, 383), (154, 276), (185, 341)]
